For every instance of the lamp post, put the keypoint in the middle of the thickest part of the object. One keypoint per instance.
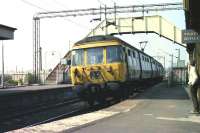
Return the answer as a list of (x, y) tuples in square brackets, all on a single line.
[(178, 60), (161, 57), (143, 42), (52, 54), (2, 75)]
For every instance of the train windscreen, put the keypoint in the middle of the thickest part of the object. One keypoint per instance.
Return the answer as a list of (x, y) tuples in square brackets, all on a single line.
[(95, 56)]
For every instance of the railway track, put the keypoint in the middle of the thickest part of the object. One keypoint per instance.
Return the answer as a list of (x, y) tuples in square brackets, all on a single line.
[(19, 118), (48, 113), (77, 111), (17, 112), (22, 120), (97, 106)]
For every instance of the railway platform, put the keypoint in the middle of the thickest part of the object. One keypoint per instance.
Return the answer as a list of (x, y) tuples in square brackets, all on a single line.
[(33, 95), (33, 88), (157, 109)]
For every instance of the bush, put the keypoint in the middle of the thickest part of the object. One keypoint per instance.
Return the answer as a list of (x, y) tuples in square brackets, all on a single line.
[(12, 82), (29, 79)]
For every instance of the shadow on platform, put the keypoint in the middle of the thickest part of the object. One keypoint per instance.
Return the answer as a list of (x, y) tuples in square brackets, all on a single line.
[(163, 92)]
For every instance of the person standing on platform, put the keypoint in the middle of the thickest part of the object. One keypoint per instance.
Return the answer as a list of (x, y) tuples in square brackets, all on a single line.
[(193, 86)]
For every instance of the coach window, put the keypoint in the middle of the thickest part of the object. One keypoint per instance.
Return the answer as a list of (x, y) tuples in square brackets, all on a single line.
[(133, 54), (77, 57), (114, 54), (124, 49), (95, 56), (129, 53)]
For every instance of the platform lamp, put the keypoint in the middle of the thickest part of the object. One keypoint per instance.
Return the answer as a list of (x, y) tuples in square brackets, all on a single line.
[(143, 42), (178, 60)]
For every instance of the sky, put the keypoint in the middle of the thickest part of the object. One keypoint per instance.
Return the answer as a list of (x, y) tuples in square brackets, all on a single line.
[(58, 33)]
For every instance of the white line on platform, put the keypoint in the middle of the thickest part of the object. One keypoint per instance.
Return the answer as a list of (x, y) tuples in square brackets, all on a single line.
[(148, 114), (195, 119)]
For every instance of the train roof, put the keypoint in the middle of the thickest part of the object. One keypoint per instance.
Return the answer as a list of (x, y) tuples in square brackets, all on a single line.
[(96, 39), (107, 38), (103, 38)]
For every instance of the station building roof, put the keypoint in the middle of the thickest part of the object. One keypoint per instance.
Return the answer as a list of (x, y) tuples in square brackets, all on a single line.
[(6, 32)]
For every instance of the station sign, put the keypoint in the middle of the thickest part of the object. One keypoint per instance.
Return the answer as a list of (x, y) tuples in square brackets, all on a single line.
[(190, 36)]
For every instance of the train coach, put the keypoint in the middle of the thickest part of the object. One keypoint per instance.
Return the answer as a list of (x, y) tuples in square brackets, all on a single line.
[(102, 65)]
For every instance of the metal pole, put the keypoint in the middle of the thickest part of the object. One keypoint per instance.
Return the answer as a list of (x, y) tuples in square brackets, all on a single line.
[(39, 61), (164, 62), (172, 69), (178, 60), (179, 54), (106, 19), (40, 55), (58, 70), (115, 15), (2, 75), (69, 45), (34, 49), (45, 65)]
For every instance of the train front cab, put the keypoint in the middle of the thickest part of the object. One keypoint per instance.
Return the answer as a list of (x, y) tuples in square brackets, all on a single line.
[(97, 68)]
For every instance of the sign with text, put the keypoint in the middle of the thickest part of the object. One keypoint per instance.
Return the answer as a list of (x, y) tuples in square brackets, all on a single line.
[(190, 36)]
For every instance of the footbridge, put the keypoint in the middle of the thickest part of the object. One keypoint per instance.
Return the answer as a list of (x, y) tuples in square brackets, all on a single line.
[(147, 24)]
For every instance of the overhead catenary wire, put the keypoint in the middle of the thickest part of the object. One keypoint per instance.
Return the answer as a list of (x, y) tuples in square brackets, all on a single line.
[(33, 5), (101, 3), (65, 7), (60, 4), (38, 7)]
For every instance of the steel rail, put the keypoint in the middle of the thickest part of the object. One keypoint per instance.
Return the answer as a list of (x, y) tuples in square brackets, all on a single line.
[(7, 115)]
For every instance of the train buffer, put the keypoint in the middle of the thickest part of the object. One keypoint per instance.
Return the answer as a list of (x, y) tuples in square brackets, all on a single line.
[(157, 109)]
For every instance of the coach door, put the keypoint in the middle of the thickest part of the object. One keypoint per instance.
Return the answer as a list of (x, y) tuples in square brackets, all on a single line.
[(136, 64), (130, 65)]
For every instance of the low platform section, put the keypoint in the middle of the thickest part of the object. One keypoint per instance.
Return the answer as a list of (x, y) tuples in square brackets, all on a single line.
[(31, 96)]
